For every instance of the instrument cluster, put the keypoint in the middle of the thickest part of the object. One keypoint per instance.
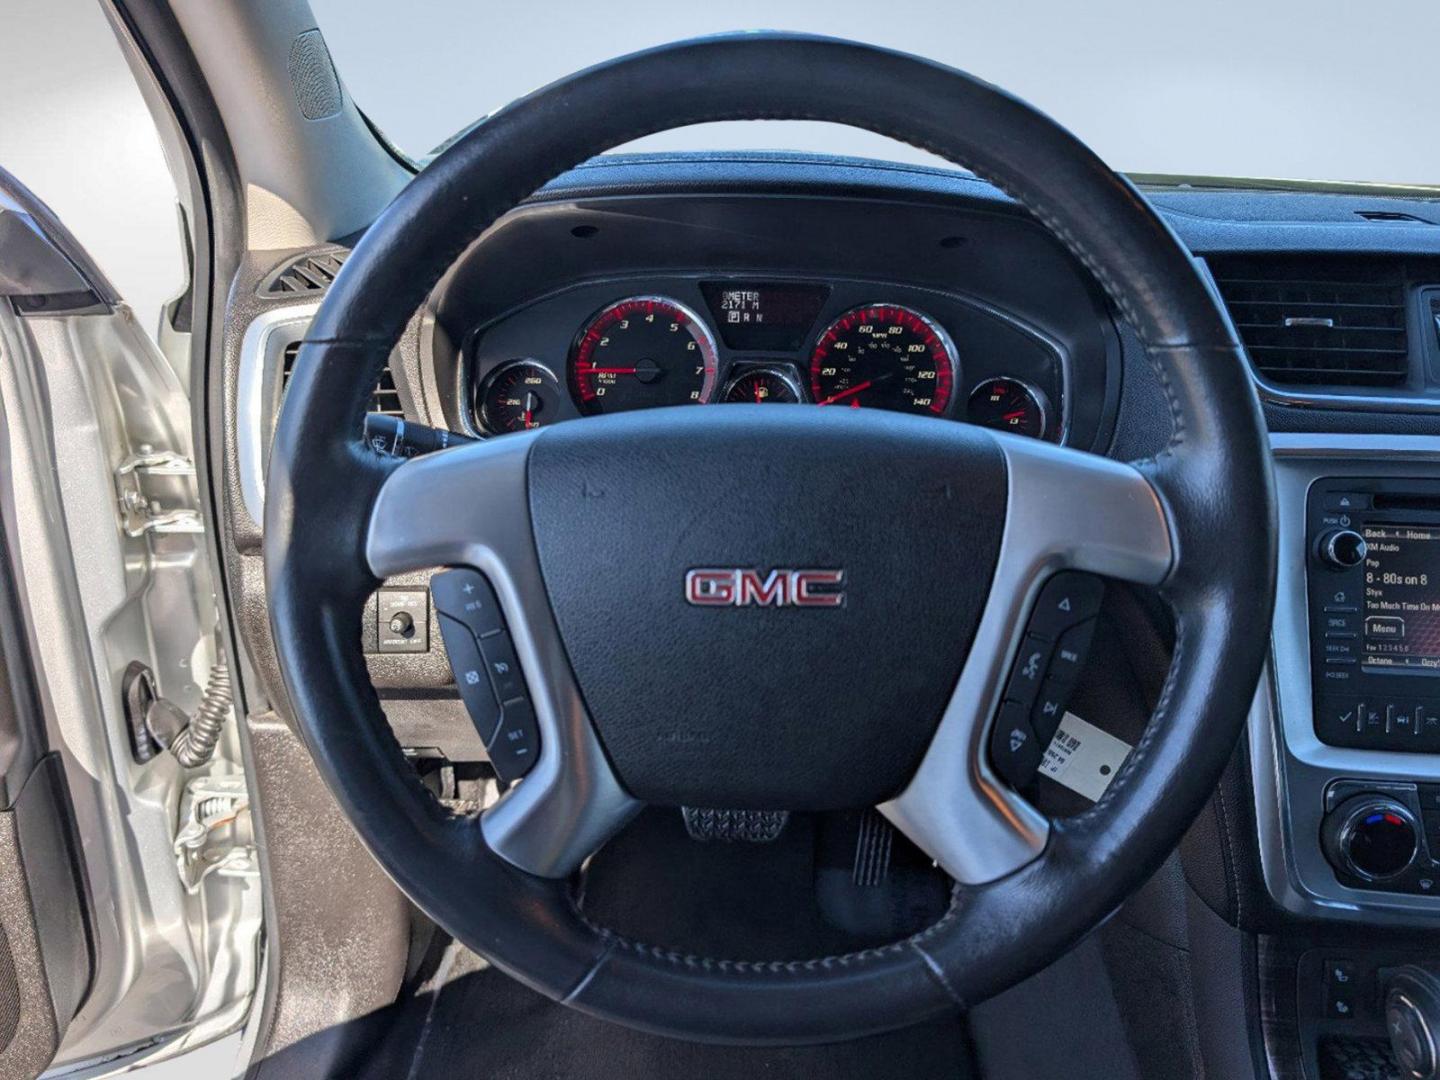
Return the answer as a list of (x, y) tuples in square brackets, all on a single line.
[(763, 342)]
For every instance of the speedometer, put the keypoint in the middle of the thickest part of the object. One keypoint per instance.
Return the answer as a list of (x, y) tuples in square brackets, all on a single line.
[(640, 353), (884, 356)]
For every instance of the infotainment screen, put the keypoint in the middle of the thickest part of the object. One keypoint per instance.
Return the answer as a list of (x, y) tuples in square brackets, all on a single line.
[(1402, 596)]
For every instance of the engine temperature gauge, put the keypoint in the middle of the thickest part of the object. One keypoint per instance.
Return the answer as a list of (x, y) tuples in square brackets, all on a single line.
[(518, 396), (1008, 404)]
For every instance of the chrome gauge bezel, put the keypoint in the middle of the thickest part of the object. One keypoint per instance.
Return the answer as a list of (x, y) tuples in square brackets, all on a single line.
[(801, 397), (482, 389), (1038, 396), (704, 334), (952, 355)]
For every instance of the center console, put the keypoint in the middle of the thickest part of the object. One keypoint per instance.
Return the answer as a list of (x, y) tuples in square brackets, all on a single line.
[(1345, 733)]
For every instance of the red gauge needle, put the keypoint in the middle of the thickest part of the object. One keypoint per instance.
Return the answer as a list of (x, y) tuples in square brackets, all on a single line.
[(1013, 415), (843, 394)]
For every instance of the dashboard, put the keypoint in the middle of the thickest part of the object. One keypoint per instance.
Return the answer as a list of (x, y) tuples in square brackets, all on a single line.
[(710, 280), (636, 283)]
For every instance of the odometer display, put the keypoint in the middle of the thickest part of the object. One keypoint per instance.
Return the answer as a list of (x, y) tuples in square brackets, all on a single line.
[(641, 353), (884, 356)]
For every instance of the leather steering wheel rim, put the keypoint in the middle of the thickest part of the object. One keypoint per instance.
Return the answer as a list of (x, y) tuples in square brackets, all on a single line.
[(1211, 484)]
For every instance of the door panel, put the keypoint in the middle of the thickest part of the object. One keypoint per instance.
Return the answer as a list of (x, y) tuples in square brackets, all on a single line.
[(149, 943)]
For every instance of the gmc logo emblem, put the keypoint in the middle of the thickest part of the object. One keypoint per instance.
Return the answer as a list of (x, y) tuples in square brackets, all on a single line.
[(780, 588)]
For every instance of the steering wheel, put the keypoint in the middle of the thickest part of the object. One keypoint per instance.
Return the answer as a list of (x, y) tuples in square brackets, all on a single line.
[(943, 536)]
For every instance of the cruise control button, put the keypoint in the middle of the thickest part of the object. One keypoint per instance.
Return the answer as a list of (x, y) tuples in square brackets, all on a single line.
[(1070, 652), (1014, 749), (1068, 599), (466, 596), (503, 665), (470, 677), (1030, 664), (517, 741)]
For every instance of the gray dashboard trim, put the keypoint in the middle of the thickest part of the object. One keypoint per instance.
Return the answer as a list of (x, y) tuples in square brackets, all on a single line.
[(1290, 766)]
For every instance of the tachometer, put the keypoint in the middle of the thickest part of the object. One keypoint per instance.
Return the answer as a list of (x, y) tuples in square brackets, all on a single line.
[(884, 356), (640, 353)]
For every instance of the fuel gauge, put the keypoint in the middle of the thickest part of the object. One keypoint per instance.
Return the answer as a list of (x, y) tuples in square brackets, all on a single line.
[(1008, 404), (763, 386)]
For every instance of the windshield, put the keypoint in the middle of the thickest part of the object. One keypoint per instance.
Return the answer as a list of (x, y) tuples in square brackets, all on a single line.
[(1292, 89)]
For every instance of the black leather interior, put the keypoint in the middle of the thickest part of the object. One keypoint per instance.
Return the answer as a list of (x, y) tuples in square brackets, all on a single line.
[(1213, 477)]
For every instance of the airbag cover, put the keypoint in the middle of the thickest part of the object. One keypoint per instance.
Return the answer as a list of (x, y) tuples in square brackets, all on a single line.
[(766, 707)]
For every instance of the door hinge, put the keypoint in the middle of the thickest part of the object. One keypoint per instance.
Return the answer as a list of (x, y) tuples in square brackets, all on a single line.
[(215, 834), (142, 479)]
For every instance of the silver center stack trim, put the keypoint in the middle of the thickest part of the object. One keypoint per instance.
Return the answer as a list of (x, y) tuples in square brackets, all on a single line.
[(1291, 767)]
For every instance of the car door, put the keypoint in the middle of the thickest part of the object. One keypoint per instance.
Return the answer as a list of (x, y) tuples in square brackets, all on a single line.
[(130, 905)]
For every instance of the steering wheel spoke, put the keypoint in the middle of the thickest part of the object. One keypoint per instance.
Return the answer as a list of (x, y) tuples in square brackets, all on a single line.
[(1067, 511), (468, 508)]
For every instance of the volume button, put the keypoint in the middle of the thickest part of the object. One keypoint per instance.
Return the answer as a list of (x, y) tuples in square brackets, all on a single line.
[(1343, 548)]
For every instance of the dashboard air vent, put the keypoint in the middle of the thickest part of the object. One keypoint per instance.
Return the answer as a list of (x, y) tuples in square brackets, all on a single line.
[(1319, 320), (386, 398), (307, 274)]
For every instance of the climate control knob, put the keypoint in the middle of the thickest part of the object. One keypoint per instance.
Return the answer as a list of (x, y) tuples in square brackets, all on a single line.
[(1343, 548), (1371, 836)]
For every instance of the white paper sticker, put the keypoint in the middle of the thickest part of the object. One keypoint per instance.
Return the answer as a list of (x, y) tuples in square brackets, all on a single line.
[(1084, 758)]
